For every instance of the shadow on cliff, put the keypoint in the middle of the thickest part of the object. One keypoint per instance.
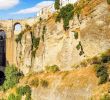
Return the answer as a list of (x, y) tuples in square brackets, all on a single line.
[(2, 77)]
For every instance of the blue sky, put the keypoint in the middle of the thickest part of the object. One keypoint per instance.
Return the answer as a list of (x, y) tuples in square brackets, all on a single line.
[(18, 9)]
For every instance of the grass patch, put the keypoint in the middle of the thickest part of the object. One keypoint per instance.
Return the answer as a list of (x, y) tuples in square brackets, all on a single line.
[(35, 83), (12, 75), (44, 83)]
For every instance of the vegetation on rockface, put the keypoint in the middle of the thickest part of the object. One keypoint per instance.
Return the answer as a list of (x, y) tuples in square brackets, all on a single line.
[(20, 35), (39, 82), (108, 1), (105, 97), (79, 47), (35, 43), (12, 97), (100, 63), (24, 90), (57, 4), (35, 83), (12, 76), (101, 67), (53, 68), (66, 13), (101, 73), (76, 35), (105, 57), (43, 32), (19, 38), (21, 91), (28, 28), (77, 10)]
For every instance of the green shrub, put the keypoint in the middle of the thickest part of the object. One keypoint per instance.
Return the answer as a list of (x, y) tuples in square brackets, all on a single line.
[(11, 97), (57, 4), (105, 57), (44, 83), (101, 73), (12, 76), (23, 90), (35, 42), (18, 97), (105, 97), (108, 1), (79, 47), (53, 68), (95, 60), (76, 35), (26, 90), (103, 78), (66, 13)]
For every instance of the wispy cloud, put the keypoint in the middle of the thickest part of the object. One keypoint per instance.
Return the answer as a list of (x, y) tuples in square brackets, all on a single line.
[(6, 4), (34, 9)]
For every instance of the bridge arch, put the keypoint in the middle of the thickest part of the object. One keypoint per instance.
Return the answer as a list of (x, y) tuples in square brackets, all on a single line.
[(17, 27)]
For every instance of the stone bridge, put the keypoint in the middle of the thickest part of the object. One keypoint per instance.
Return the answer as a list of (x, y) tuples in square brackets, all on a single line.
[(8, 27)]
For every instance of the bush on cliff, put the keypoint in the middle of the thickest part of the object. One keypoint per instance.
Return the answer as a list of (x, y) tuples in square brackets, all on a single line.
[(24, 90), (105, 97), (53, 68), (105, 57), (66, 13), (108, 1), (101, 73), (12, 76)]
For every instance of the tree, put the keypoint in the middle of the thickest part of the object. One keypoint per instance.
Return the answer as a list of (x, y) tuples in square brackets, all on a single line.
[(57, 4)]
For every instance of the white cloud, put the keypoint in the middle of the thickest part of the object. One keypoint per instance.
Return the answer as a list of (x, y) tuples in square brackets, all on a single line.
[(6, 4), (34, 9)]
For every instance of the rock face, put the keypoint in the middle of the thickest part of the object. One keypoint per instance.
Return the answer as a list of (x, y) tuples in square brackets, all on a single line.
[(59, 47)]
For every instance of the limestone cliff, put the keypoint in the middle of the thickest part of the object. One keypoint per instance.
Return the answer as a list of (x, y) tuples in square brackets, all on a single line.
[(59, 46), (81, 70)]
